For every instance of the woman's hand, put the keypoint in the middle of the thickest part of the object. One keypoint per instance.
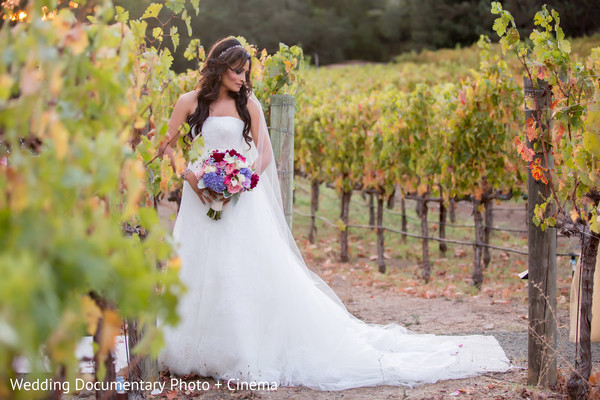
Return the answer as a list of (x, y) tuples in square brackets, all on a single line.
[(204, 194)]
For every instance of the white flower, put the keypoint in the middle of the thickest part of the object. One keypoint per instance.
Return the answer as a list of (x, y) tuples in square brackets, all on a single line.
[(229, 158), (210, 168)]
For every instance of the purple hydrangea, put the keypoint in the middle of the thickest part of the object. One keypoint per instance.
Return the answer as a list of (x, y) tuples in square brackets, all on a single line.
[(214, 182), (246, 172)]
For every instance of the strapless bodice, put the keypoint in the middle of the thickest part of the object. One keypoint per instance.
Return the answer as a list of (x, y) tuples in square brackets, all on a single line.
[(223, 133)]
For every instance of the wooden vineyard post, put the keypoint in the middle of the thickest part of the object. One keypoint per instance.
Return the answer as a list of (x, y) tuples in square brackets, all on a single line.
[(542, 260), (443, 247), (141, 368), (422, 211), (404, 220), (283, 108), (487, 232), (478, 219), (314, 207), (380, 231)]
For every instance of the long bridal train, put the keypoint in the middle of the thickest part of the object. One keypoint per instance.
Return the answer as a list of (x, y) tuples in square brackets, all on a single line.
[(255, 313)]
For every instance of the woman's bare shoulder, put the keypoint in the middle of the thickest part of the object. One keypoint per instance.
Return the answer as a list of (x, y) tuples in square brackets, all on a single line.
[(253, 108), (189, 100)]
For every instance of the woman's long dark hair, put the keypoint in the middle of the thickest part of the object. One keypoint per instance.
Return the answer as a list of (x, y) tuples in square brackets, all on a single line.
[(222, 55)]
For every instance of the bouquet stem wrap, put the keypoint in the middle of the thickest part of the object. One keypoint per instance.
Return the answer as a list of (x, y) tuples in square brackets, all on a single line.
[(215, 209)]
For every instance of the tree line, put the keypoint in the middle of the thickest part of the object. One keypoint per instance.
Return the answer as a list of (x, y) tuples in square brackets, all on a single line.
[(332, 31)]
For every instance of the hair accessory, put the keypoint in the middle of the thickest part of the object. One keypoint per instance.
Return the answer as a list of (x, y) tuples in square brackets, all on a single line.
[(229, 48)]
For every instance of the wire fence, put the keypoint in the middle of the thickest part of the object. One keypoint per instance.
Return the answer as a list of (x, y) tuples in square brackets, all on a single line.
[(450, 225), (433, 238)]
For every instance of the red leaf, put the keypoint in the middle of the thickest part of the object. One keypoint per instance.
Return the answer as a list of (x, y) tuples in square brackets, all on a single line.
[(172, 395), (542, 73), (462, 97), (560, 132), (531, 129)]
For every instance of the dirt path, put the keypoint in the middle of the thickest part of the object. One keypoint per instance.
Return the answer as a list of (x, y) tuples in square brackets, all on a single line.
[(374, 302), (438, 315)]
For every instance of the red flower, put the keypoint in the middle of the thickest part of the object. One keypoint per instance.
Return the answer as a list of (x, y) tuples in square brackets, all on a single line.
[(253, 181), (217, 156), (233, 153)]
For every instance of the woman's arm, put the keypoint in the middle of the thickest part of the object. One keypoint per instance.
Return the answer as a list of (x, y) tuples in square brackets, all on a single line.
[(182, 110), (185, 106)]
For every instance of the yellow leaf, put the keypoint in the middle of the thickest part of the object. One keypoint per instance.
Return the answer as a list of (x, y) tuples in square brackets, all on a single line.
[(594, 225), (111, 327), (76, 39), (592, 122), (574, 215), (135, 173), (341, 225), (591, 142), (61, 25), (478, 193), (56, 81), (180, 162), (140, 123), (91, 314), (60, 343), (166, 173), (19, 198), (60, 136), (31, 78), (175, 263), (530, 103), (94, 203), (6, 82), (422, 189)]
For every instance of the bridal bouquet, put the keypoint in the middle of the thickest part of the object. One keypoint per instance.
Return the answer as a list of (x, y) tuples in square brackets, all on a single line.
[(226, 173)]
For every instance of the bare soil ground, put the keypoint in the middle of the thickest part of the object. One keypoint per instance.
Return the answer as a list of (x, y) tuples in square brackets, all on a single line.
[(432, 311), (441, 307)]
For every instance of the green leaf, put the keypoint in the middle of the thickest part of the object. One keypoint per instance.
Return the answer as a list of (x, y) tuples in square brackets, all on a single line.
[(500, 26), (176, 5), (591, 142), (122, 15), (188, 22), (196, 5), (174, 37), (139, 29)]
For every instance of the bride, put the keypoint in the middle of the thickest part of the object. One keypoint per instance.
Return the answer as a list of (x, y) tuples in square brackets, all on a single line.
[(253, 311)]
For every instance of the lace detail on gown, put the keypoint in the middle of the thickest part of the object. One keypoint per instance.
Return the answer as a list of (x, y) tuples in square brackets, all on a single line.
[(252, 313)]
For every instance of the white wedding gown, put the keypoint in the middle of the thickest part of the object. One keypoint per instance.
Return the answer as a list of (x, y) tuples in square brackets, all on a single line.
[(253, 313)]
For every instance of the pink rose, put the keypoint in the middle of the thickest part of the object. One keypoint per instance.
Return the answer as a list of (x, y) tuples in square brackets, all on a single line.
[(230, 169), (233, 189)]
